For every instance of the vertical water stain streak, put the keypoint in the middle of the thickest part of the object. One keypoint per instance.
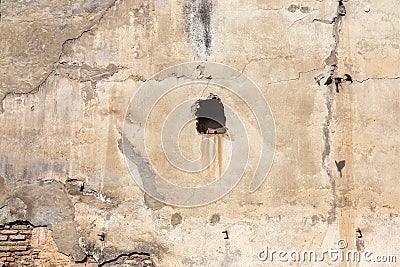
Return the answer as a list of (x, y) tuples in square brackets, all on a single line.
[(205, 151), (220, 152), (198, 26), (214, 160), (211, 148)]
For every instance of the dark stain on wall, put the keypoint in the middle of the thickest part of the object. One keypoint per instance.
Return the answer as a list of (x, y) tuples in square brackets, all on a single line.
[(176, 219), (198, 26)]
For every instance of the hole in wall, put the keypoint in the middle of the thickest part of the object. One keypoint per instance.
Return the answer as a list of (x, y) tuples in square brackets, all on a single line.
[(210, 115)]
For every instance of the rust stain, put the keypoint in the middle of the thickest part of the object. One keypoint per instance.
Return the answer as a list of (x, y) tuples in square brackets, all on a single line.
[(344, 151), (344, 146), (205, 153), (214, 163), (214, 148), (220, 141)]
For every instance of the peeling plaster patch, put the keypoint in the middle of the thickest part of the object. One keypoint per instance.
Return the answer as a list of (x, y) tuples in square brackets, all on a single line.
[(77, 191), (293, 8), (331, 59), (305, 9), (176, 219), (112, 256), (45, 204), (152, 203), (215, 218), (314, 220), (144, 168), (103, 198), (130, 259), (13, 209), (14, 173), (198, 26), (2, 97), (74, 186), (43, 62), (85, 73)]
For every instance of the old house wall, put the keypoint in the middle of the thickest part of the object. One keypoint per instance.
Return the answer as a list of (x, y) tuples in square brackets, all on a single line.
[(70, 69)]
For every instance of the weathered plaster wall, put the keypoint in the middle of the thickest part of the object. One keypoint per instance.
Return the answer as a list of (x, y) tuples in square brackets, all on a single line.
[(69, 69)]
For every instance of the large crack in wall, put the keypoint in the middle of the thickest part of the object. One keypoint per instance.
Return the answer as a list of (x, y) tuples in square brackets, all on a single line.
[(35, 48), (332, 63)]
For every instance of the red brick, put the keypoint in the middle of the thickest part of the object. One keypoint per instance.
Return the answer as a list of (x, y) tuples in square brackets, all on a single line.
[(8, 232), (17, 237), (10, 259), (3, 237)]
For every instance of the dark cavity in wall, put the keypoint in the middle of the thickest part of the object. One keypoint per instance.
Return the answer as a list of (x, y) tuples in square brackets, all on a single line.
[(210, 115), (198, 26)]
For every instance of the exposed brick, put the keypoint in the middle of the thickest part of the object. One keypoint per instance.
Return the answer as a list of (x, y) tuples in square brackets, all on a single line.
[(3, 237), (21, 226), (10, 259), (21, 253), (20, 248), (25, 232), (4, 254), (4, 248), (8, 232), (14, 243), (6, 243), (17, 237)]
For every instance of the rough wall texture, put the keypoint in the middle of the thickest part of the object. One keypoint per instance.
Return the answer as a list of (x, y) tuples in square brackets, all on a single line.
[(69, 69), (15, 245)]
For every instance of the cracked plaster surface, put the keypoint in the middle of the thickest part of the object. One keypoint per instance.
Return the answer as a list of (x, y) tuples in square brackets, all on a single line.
[(68, 81)]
